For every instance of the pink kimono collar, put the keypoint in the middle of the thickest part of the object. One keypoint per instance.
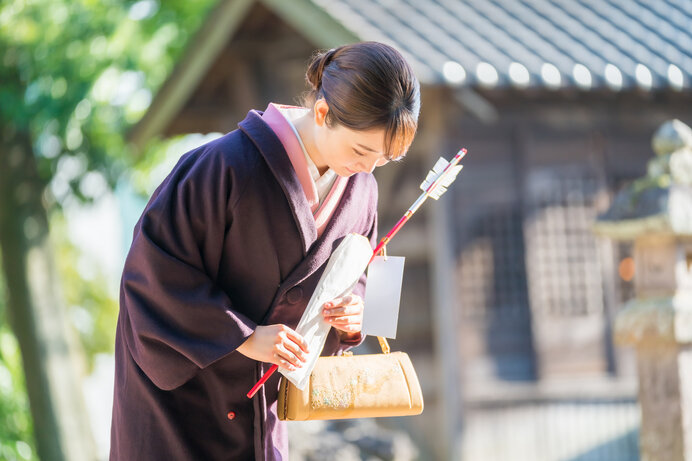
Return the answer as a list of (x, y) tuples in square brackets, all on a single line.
[(282, 128)]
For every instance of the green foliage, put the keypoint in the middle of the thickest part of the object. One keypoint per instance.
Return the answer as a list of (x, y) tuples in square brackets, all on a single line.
[(74, 76), (16, 430), (77, 73)]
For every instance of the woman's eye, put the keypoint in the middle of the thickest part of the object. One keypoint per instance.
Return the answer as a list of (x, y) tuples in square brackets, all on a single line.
[(358, 153)]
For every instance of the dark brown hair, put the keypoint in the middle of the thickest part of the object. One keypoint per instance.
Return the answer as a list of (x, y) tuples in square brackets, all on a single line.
[(367, 85)]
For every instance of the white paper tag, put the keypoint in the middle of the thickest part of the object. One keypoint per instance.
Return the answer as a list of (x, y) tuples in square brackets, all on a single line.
[(382, 296)]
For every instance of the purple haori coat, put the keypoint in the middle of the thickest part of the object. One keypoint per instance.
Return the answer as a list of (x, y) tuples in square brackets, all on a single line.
[(227, 242)]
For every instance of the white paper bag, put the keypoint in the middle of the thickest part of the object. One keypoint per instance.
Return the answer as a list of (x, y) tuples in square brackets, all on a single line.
[(345, 266)]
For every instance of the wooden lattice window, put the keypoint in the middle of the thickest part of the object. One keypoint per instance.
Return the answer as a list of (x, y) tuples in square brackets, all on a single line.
[(491, 276), (563, 262)]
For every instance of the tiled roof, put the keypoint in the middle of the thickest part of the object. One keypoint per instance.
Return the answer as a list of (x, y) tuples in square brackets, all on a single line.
[(587, 44)]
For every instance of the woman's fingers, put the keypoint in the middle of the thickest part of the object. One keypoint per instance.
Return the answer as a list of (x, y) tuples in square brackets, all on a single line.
[(290, 348), (278, 360), (353, 309), (345, 305), (286, 355), (353, 323), (346, 300), (295, 349), (296, 338), (276, 344), (345, 313), (352, 319)]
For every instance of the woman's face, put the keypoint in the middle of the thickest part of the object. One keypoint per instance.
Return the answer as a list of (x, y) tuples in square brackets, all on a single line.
[(348, 151)]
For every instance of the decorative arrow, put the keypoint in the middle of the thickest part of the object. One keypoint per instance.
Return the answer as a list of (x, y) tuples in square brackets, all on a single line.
[(435, 184)]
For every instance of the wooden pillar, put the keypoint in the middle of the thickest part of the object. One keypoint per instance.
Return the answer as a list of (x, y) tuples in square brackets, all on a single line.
[(445, 325)]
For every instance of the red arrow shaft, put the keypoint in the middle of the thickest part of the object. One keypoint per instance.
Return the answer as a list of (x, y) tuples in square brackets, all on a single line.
[(379, 247)]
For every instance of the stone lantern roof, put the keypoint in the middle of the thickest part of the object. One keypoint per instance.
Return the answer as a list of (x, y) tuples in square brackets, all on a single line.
[(661, 201)]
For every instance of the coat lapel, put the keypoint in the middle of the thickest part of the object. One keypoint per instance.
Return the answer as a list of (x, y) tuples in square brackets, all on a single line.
[(276, 157), (352, 203), (340, 225)]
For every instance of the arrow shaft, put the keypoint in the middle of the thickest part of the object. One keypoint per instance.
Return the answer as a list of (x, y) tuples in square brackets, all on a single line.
[(262, 380), (379, 247), (391, 234), (412, 209), (417, 204), (419, 201)]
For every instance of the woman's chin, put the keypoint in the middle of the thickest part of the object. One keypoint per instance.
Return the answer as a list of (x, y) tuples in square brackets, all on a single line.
[(346, 172)]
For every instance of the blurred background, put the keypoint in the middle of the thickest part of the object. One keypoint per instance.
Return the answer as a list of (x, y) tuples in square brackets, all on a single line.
[(509, 297)]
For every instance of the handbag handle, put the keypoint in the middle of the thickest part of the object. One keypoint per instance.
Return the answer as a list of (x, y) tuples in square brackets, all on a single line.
[(384, 344), (382, 340)]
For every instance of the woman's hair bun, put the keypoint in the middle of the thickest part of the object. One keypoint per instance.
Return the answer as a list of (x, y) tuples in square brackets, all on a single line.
[(316, 68), (367, 85)]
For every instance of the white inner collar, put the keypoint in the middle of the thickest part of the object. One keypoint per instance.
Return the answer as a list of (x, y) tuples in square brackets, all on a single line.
[(323, 182)]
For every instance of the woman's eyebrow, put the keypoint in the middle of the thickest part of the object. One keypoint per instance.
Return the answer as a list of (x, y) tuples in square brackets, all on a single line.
[(366, 148), (388, 157)]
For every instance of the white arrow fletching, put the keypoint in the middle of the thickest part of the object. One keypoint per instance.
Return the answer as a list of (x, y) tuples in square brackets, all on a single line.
[(441, 188), (439, 167), (435, 173), (451, 175)]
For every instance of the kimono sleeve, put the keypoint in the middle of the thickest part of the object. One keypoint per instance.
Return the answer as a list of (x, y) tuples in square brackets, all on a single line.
[(175, 318)]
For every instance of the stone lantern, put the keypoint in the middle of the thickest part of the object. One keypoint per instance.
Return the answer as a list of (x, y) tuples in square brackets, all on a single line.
[(655, 212)]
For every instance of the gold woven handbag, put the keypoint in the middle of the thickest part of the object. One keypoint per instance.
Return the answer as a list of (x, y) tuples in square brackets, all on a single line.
[(354, 386)]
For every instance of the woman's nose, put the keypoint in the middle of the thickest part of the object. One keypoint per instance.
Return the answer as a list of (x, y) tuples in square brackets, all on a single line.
[(368, 167)]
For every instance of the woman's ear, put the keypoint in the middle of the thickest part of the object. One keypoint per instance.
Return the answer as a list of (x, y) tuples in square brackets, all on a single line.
[(321, 109)]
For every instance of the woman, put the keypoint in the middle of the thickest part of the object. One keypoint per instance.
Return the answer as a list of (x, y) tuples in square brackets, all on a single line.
[(229, 249)]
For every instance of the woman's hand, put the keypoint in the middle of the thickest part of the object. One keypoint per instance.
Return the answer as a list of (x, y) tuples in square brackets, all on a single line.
[(346, 315), (277, 344)]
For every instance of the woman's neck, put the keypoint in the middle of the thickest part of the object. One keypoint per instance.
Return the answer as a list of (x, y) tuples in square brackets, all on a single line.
[(305, 128)]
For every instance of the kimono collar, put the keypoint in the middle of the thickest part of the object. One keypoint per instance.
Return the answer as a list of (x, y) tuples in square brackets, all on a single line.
[(279, 122), (281, 127), (358, 197), (277, 159)]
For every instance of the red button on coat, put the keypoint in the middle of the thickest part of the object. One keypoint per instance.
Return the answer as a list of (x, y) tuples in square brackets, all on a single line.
[(231, 414)]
